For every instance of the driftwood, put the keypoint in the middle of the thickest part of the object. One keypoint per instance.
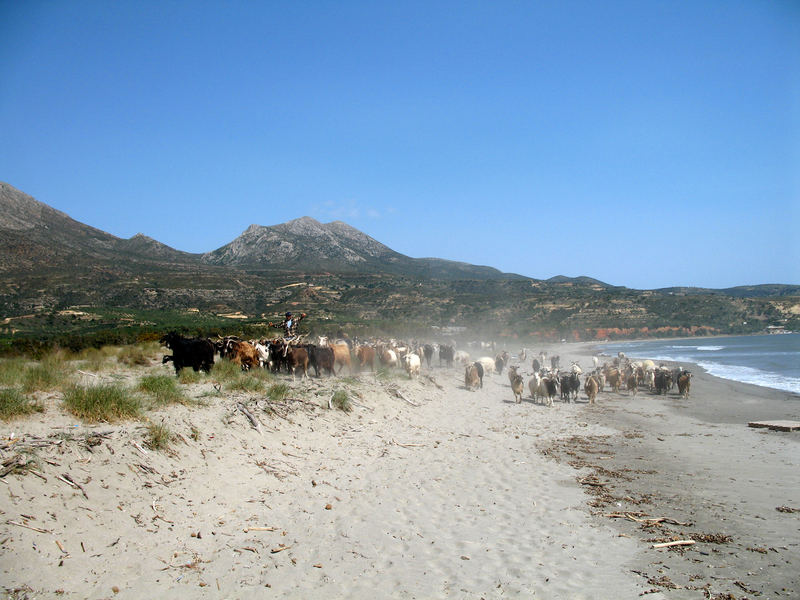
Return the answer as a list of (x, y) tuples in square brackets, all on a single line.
[(433, 381), (396, 443), (647, 520), (396, 393), (253, 421), (280, 548), (69, 481), (249, 529), (28, 527), (676, 543)]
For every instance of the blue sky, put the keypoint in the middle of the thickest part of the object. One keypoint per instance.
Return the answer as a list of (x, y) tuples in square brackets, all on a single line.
[(647, 144)]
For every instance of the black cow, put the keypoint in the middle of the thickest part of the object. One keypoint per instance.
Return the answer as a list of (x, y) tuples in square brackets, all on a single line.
[(427, 350), (197, 353), (320, 357), (570, 385), (446, 354), (663, 381)]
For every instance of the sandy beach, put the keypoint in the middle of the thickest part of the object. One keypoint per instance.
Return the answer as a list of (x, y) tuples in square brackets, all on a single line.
[(424, 490)]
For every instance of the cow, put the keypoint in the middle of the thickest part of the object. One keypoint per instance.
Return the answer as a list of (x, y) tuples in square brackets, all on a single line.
[(472, 378), (570, 384), (684, 383), (446, 354), (488, 364), (534, 385), (320, 357), (366, 357), (387, 358), (341, 353), (554, 360), (591, 387), (427, 352), (551, 388), (537, 366), (516, 386), (632, 383), (297, 358), (663, 380), (411, 362), (243, 354), (461, 357), (188, 352)]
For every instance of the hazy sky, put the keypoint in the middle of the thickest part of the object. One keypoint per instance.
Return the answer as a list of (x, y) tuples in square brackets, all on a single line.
[(644, 143)]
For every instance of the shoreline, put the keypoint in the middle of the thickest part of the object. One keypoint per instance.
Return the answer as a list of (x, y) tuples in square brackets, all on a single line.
[(440, 492)]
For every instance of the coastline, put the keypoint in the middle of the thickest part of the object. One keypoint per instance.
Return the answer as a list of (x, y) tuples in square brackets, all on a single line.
[(443, 493)]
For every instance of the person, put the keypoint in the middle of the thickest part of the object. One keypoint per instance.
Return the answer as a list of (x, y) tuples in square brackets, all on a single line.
[(289, 325)]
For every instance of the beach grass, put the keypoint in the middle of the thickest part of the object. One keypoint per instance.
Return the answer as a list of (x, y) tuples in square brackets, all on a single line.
[(102, 403), (14, 404), (341, 401), (163, 389), (159, 436)]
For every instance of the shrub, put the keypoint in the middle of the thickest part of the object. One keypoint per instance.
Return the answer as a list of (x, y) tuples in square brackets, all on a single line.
[(341, 401), (101, 403), (14, 404), (162, 388), (225, 370), (159, 436)]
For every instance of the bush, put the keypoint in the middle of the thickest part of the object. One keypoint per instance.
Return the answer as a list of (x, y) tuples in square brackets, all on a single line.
[(225, 370), (102, 403), (14, 404), (162, 388), (244, 383), (189, 375)]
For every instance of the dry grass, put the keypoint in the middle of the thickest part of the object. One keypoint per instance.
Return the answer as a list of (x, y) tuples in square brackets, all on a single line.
[(53, 372), (159, 436), (341, 401)]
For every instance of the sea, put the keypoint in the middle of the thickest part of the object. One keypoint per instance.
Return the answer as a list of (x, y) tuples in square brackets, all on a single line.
[(771, 361)]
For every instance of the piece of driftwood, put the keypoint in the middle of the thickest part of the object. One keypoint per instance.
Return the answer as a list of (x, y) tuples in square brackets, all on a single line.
[(649, 520), (69, 480), (396, 443), (139, 447), (253, 421), (675, 543), (433, 381), (280, 548), (249, 529), (395, 392), (28, 527), (776, 425)]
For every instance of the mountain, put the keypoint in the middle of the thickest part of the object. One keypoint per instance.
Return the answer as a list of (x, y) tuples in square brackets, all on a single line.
[(305, 244), (35, 236)]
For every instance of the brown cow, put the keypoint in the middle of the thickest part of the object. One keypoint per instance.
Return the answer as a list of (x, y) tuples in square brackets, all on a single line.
[(632, 384), (341, 353), (243, 354), (297, 358), (366, 357), (684, 383), (591, 386), (472, 378)]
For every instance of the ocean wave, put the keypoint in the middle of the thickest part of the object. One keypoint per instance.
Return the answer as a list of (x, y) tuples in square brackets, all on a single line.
[(753, 376), (709, 348)]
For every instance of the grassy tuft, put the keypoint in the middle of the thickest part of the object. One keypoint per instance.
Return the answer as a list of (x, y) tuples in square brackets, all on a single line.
[(102, 403), (341, 401), (188, 376), (159, 436), (51, 373), (225, 370), (245, 383), (133, 356), (163, 389), (385, 374), (12, 371), (277, 392), (14, 404)]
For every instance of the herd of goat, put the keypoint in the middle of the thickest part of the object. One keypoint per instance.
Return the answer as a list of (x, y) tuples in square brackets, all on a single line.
[(546, 382)]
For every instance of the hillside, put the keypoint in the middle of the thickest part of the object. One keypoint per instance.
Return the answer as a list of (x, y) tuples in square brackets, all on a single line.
[(61, 277)]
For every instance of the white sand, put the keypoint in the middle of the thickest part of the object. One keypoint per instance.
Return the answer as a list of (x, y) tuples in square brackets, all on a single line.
[(449, 499)]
